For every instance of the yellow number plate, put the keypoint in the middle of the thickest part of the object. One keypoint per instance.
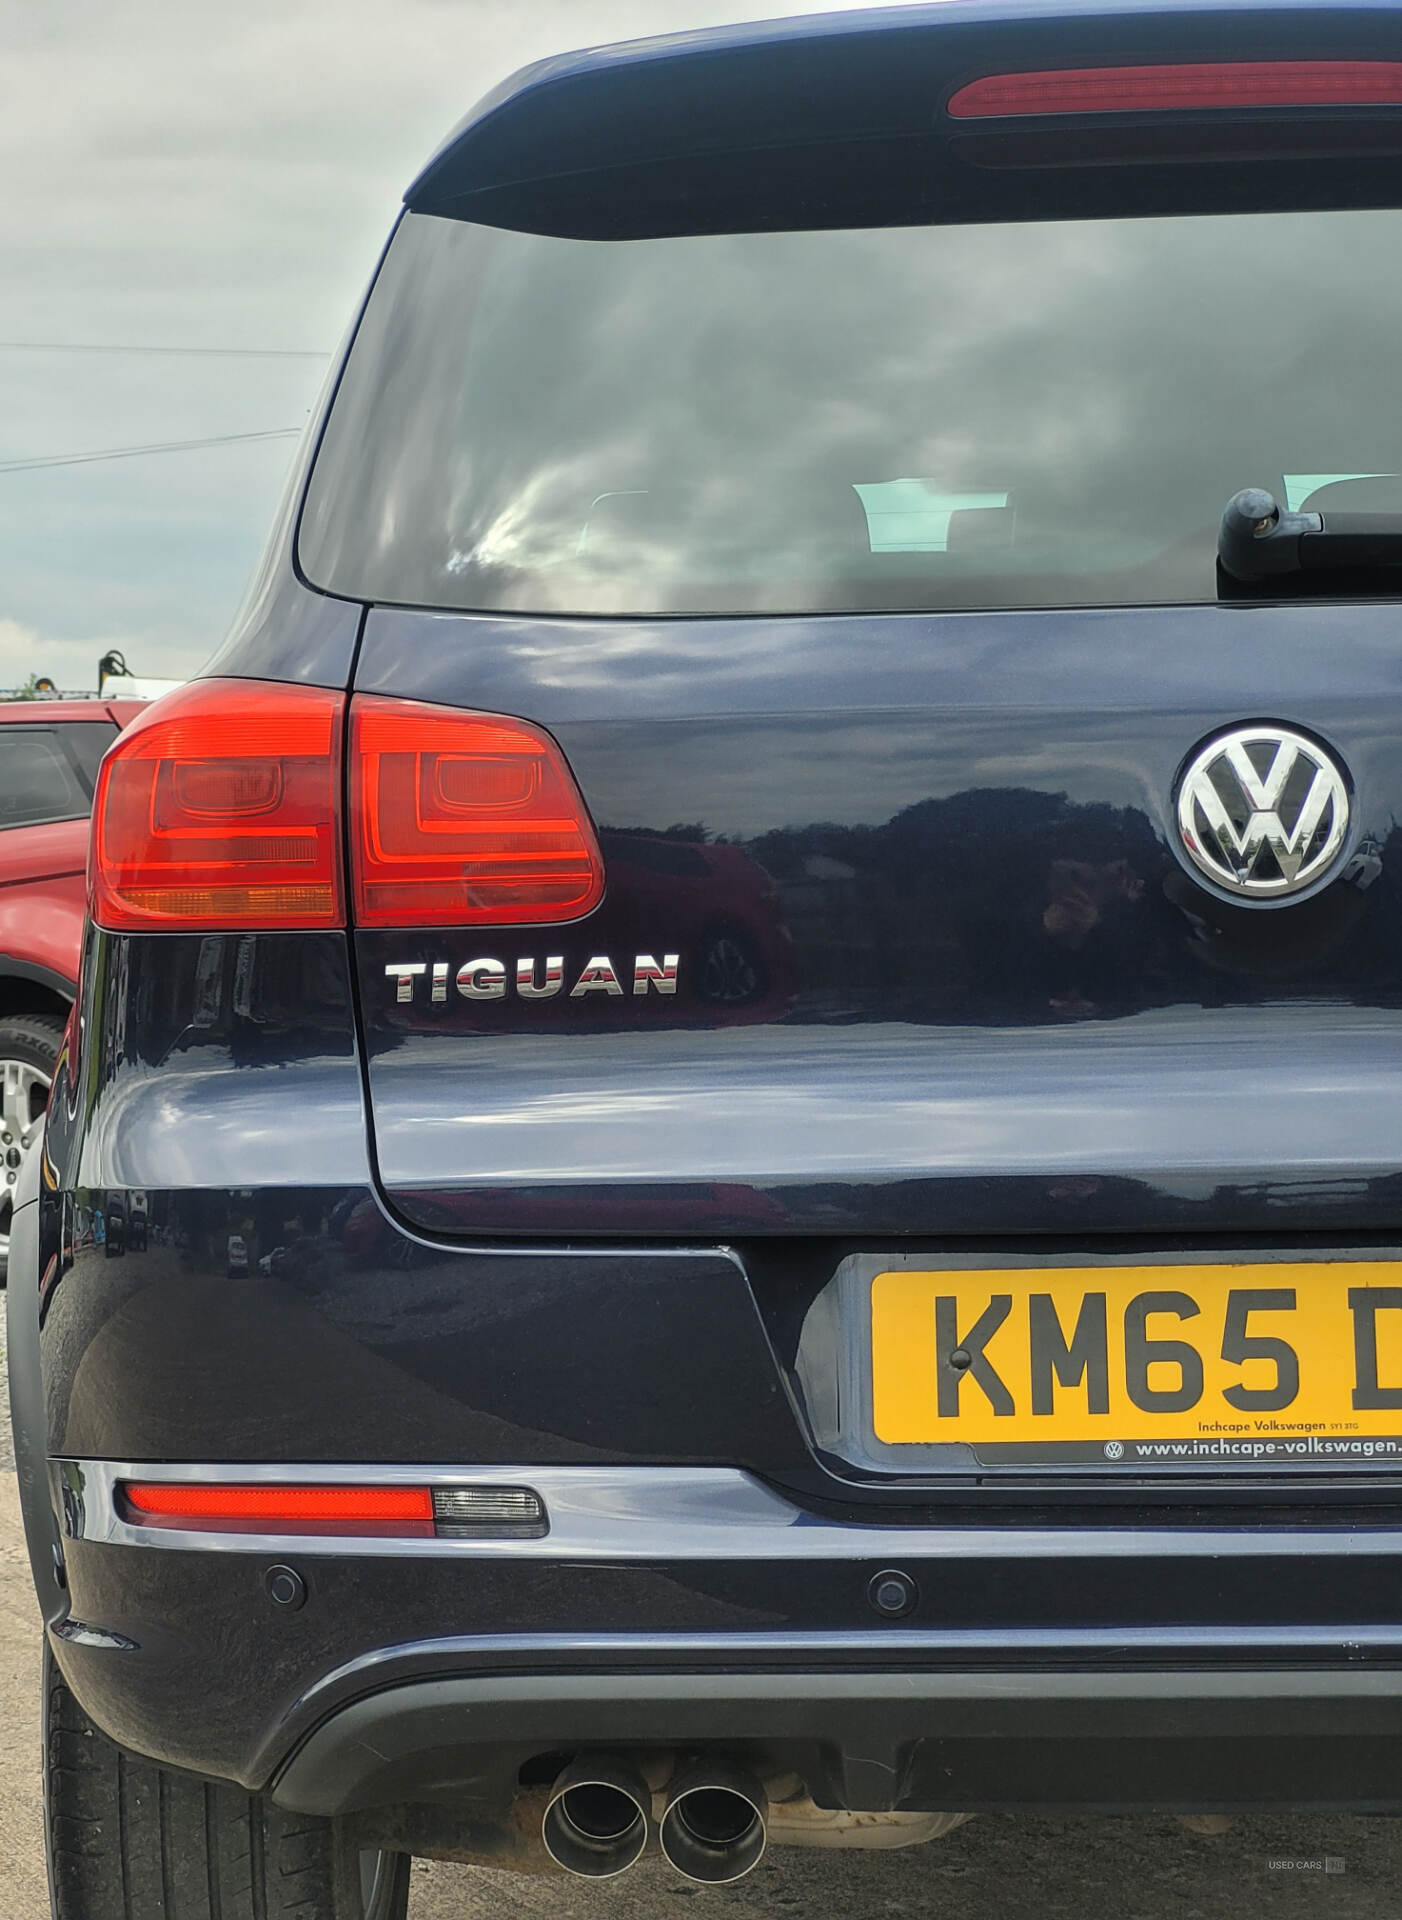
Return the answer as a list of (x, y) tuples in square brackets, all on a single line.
[(1155, 1366)]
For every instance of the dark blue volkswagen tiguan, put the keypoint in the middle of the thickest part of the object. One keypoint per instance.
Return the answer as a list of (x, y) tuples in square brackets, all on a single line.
[(754, 1017)]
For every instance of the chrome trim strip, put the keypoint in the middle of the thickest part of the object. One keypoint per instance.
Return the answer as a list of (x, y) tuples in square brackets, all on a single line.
[(651, 1514)]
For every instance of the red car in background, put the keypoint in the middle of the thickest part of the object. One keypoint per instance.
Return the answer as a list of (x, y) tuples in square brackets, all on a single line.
[(722, 910), (49, 751)]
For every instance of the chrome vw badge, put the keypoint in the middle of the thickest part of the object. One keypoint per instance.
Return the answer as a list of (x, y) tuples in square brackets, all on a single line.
[(1263, 811)]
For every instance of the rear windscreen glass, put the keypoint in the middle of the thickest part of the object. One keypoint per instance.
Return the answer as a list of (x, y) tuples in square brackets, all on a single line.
[(1048, 414)]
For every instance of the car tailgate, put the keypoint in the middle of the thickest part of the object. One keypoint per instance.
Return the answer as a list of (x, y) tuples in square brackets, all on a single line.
[(939, 965)]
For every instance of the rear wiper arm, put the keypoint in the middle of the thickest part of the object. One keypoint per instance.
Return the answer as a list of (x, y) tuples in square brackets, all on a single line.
[(1261, 541)]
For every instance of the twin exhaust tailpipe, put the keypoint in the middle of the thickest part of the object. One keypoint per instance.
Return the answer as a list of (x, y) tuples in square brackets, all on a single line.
[(600, 1814), (713, 1827), (598, 1818)]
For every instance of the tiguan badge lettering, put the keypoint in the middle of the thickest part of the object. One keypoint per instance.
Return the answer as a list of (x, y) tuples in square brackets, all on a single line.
[(488, 979)]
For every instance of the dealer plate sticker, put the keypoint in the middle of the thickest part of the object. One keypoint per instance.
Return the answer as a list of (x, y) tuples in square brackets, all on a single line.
[(1279, 1365)]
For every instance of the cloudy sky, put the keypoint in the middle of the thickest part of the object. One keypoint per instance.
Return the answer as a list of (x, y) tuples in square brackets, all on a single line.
[(190, 174)]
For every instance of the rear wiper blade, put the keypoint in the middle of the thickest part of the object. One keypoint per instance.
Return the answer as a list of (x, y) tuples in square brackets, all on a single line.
[(1259, 540)]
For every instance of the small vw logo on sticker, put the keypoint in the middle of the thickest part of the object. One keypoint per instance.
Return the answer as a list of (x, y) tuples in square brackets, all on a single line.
[(1114, 1450)]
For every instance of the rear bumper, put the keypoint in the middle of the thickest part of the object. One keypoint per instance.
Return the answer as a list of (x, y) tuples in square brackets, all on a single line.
[(991, 1739), (684, 1608)]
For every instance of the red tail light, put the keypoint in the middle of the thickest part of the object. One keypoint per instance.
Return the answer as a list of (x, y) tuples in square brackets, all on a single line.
[(407, 1510), (1236, 83), (218, 808), (464, 819)]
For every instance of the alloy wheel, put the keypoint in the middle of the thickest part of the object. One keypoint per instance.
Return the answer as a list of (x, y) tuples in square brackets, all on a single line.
[(24, 1090), (729, 973)]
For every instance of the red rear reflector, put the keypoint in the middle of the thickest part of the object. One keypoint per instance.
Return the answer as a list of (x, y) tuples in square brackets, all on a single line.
[(1243, 83), (464, 819), (218, 808), (339, 1509)]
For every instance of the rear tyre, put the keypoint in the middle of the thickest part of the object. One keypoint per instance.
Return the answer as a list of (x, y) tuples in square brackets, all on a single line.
[(128, 1840), (29, 1044)]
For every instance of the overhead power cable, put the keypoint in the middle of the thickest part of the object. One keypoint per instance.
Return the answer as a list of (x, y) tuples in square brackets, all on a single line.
[(136, 453), (102, 346)]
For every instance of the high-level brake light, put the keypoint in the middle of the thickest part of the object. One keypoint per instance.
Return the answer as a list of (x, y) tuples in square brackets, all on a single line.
[(1168, 89), (464, 819), (218, 808)]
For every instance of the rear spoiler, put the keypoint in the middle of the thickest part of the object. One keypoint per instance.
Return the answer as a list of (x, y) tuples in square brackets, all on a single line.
[(878, 119)]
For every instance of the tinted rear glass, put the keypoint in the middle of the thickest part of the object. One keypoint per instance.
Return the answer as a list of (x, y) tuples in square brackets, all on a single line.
[(1048, 414), (37, 781), (87, 741)]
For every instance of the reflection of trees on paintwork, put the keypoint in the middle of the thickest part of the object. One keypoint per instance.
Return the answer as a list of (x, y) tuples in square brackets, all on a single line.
[(988, 906), (1011, 905)]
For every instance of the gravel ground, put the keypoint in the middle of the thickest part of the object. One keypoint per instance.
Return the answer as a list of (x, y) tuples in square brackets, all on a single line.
[(992, 1869)]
